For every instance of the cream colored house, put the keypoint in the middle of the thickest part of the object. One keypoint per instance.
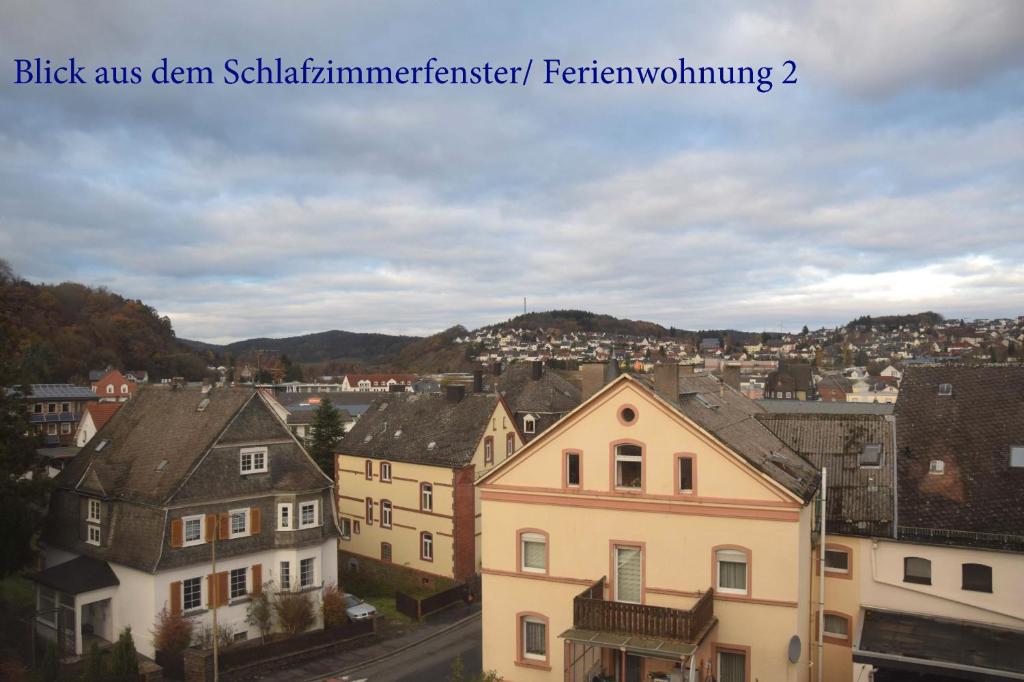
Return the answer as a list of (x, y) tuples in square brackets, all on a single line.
[(656, 532), (405, 475)]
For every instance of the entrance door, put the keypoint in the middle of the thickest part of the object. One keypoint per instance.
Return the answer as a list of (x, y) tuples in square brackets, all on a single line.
[(634, 668)]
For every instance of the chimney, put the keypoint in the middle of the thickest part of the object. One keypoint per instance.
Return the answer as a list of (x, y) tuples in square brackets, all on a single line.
[(478, 381), (731, 375), (496, 368), (596, 375), (666, 380), (536, 369), (455, 392)]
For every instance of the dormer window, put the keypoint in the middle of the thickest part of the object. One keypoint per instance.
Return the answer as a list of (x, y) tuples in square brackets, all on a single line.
[(529, 424), (110, 389), (945, 389), (94, 511), (871, 455), (252, 460), (124, 388)]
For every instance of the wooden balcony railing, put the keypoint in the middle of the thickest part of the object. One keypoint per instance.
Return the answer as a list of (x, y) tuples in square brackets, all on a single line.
[(592, 612)]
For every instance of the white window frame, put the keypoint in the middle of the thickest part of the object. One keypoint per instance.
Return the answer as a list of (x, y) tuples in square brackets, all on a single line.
[(252, 454), (286, 576), (92, 531), (621, 458), (535, 621), (426, 496), (284, 516), (94, 505), (231, 523), (316, 513), (427, 542), (197, 607), (386, 510), (830, 569), (535, 538), (124, 389), (529, 424), (731, 556), (185, 542), (51, 429), (245, 578), (346, 528), (110, 389), (311, 562), (385, 471), (65, 428), (833, 633)]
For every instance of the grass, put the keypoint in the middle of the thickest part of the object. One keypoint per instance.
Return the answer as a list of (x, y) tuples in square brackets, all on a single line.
[(386, 609)]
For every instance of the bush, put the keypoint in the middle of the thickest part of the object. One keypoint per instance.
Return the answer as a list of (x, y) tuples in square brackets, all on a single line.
[(48, 670), (204, 636), (95, 668), (124, 661), (333, 606), (172, 632), (260, 612), (294, 612)]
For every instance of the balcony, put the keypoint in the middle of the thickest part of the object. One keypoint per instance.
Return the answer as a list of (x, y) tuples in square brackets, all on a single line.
[(591, 612)]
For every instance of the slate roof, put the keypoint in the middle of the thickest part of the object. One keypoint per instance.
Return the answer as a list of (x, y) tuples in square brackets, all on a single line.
[(860, 499), (548, 398), (823, 407), (82, 574), (971, 432), (401, 426)]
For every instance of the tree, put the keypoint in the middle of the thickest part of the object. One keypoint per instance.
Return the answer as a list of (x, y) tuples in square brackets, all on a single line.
[(260, 612), (333, 606), (124, 661), (327, 431), (95, 668), (172, 632), (292, 371), (805, 331)]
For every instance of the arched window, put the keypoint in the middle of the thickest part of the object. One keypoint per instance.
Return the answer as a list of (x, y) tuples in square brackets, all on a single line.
[(426, 546), (488, 450), (426, 497), (385, 514), (629, 466), (510, 444), (917, 570), (529, 424), (977, 577)]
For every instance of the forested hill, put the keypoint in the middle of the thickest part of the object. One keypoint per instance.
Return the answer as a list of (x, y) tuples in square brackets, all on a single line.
[(888, 322), (59, 332), (569, 321), (334, 345)]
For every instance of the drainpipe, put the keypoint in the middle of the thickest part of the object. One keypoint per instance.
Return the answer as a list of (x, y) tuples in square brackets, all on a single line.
[(895, 483), (821, 577)]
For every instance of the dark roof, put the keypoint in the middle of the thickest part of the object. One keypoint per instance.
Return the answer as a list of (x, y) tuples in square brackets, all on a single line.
[(971, 432), (731, 417), (551, 395), (935, 644), (65, 452), (82, 574), (823, 407), (304, 414), (860, 499), (402, 426), (60, 391)]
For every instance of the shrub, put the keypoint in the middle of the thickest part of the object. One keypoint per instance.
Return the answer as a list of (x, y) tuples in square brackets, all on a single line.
[(294, 612), (124, 661), (333, 606), (95, 668), (172, 632), (204, 635), (50, 667), (260, 612)]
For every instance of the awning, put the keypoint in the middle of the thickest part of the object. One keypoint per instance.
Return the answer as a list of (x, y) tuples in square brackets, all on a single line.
[(83, 574), (953, 648), (642, 646)]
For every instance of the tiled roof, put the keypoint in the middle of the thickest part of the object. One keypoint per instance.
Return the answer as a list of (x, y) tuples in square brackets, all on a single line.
[(102, 412), (402, 426), (860, 499), (971, 432)]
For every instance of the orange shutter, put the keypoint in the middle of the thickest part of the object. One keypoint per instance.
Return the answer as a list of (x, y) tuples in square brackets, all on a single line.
[(211, 590), (176, 597), (177, 534), (254, 520), (257, 578), (225, 527), (222, 588), (211, 526)]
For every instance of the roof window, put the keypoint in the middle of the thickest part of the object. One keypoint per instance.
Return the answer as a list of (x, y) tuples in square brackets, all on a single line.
[(1017, 456), (945, 389), (706, 402), (937, 467), (102, 444), (871, 455)]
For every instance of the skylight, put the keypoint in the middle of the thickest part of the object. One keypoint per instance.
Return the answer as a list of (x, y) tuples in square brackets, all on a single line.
[(162, 465), (871, 455), (102, 444), (706, 402), (1017, 456), (945, 389)]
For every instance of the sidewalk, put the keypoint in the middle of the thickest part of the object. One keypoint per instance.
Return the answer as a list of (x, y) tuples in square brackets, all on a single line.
[(329, 664)]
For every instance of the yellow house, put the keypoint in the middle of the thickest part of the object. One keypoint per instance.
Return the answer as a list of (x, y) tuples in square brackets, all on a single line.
[(405, 478), (656, 532)]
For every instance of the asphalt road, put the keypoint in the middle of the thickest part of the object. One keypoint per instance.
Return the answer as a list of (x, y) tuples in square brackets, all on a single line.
[(429, 661)]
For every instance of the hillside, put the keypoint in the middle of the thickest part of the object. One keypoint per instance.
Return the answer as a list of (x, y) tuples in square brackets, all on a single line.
[(437, 353), (888, 322), (58, 332), (568, 321), (329, 346)]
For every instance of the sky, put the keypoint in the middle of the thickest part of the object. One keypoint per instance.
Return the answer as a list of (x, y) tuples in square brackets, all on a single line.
[(888, 179)]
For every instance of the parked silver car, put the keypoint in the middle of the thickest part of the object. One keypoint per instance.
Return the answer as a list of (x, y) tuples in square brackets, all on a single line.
[(357, 609)]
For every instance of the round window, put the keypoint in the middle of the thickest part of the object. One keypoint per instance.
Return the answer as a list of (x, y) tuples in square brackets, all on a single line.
[(628, 415)]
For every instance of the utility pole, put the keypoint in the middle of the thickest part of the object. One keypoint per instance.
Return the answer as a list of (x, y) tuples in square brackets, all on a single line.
[(524, 305), (821, 576)]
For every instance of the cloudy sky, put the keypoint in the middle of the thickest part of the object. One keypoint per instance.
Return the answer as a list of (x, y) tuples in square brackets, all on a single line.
[(889, 179)]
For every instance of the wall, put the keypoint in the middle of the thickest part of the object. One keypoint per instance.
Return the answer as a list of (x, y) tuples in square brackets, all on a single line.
[(842, 597)]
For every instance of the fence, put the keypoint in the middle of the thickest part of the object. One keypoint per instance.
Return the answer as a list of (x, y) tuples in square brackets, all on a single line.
[(421, 608)]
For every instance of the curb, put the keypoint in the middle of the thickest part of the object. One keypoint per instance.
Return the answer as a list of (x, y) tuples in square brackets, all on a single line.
[(405, 647)]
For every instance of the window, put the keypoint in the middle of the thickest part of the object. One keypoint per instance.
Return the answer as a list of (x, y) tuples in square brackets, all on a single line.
[(529, 424), (355, 526), (47, 606), (369, 470), (193, 530), (94, 535), (936, 467), (533, 550), (945, 389), (837, 561), (51, 407), (239, 522), (510, 444), (38, 408), (51, 429), (977, 577), (124, 388), (385, 514), (238, 583), (306, 574), (572, 469), (65, 407), (628, 574), (385, 472), (917, 570), (629, 466), (110, 389), (426, 546), (488, 450), (94, 511), (685, 465), (426, 497), (837, 626), (308, 513), (286, 575), (871, 455), (65, 428), (346, 529), (191, 593), (535, 638), (369, 511), (627, 415), (252, 460), (1017, 456), (732, 571), (385, 551), (284, 516), (732, 666)]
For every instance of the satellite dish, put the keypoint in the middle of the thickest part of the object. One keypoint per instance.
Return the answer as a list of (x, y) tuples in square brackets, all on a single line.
[(794, 648)]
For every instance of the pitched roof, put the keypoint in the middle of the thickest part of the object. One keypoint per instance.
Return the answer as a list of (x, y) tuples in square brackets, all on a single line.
[(81, 574), (549, 397), (860, 499), (102, 412), (971, 432), (421, 428)]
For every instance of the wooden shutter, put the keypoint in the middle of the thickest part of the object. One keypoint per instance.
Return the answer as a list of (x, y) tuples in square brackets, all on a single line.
[(257, 577), (225, 527), (211, 590), (176, 597), (177, 534), (211, 526), (222, 589), (254, 520)]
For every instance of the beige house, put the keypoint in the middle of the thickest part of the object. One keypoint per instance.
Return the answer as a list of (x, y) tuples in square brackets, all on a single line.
[(656, 532)]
